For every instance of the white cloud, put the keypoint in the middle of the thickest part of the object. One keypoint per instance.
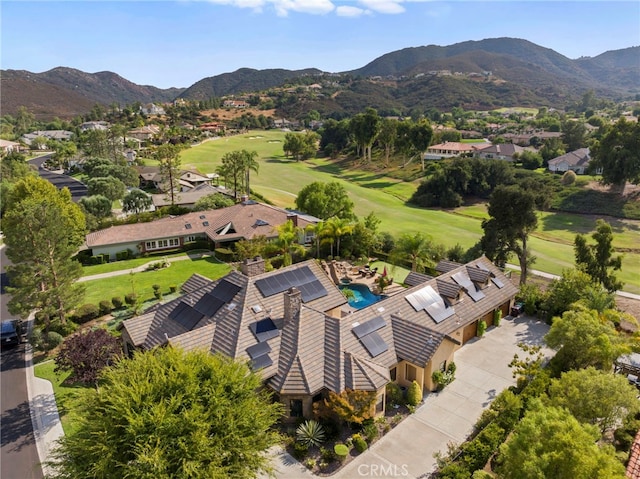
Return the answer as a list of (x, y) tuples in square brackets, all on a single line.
[(384, 6), (349, 11), (314, 7)]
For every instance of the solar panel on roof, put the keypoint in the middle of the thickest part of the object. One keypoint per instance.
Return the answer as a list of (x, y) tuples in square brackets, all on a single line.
[(185, 315), (464, 281), (497, 282), (374, 344), (302, 278), (261, 362), (482, 267), (258, 350), (208, 305), (225, 290), (369, 326), (439, 312), (264, 329), (312, 290)]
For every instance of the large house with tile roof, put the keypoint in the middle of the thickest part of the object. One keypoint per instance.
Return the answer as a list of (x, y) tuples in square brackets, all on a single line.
[(223, 226), (576, 161), (294, 327)]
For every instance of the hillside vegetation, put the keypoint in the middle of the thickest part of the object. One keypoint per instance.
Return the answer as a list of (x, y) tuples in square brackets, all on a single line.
[(279, 180)]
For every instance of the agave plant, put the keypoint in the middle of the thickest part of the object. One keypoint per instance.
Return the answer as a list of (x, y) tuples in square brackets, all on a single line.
[(310, 433)]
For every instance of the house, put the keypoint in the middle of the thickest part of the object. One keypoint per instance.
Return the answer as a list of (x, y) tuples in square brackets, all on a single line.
[(633, 466), (94, 125), (576, 161), (150, 177), (235, 104), (503, 151), (151, 109), (451, 149), (291, 325), (213, 127), (144, 133), (7, 146), (189, 198), (58, 135), (220, 227), (524, 139)]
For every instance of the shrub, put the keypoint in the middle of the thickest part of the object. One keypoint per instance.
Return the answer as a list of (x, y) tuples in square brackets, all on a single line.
[(371, 432), (327, 455), (131, 299), (497, 317), (156, 287), (341, 451), (568, 178), (117, 302), (158, 295), (173, 288), (88, 353), (86, 313), (482, 327), (359, 443), (310, 433), (105, 307), (52, 340), (310, 463), (394, 393), (414, 394), (300, 451), (65, 329)]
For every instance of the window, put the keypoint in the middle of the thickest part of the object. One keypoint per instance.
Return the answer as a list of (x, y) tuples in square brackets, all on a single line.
[(151, 245), (392, 373), (295, 406), (191, 239), (410, 373), (380, 403), (164, 243)]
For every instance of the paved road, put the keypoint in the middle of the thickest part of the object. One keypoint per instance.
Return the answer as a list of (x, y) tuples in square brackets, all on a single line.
[(77, 188), (18, 453)]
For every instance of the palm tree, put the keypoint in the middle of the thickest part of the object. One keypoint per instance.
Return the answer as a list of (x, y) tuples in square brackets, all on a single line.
[(249, 164), (336, 228), (317, 230), (286, 244), (416, 249)]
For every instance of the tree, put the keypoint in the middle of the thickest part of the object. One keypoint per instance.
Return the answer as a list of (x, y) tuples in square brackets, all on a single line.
[(597, 259), (512, 218), (168, 156), (213, 201), (552, 148), (530, 160), (618, 155), (352, 406), (325, 200), (365, 127), (107, 186), (286, 243), (168, 413), (232, 170), (317, 229), (43, 229), (595, 397), (550, 443), (335, 228), (63, 152), (136, 201), (416, 249), (97, 205), (573, 134), (86, 354), (567, 290), (249, 164), (293, 145), (420, 137), (387, 137), (582, 339)]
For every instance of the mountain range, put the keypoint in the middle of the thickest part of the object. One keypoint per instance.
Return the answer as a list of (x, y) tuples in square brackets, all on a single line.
[(481, 74)]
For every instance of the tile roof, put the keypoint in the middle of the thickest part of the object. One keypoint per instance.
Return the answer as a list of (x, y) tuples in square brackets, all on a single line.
[(242, 220), (580, 157), (633, 466), (414, 279), (313, 350)]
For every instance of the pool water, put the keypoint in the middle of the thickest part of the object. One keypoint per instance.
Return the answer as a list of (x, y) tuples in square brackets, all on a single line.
[(362, 295)]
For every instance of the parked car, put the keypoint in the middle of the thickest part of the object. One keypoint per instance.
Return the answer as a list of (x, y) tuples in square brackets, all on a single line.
[(11, 332)]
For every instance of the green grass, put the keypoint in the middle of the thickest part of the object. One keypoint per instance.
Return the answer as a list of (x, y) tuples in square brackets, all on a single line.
[(176, 274), (65, 394), (124, 265), (279, 179)]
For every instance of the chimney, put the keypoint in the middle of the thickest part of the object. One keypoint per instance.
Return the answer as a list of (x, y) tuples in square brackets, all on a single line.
[(294, 219), (244, 198), (252, 267), (292, 304)]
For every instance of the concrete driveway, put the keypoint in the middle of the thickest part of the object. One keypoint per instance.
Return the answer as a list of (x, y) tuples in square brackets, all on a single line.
[(448, 416)]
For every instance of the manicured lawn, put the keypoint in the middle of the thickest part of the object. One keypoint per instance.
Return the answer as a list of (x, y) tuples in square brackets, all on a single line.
[(122, 265), (65, 394), (141, 283), (279, 179)]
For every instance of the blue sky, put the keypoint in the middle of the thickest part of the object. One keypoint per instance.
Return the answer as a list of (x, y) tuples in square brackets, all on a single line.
[(176, 43)]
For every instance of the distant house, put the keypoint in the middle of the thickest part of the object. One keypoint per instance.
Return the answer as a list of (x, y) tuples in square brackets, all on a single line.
[(235, 104), (150, 177), (576, 161), (152, 109), (244, 220), (212, 127), (94, 125), (59, 135), (503, 151), (7, 146), (189, 198), (451, 149), (293, 327), (524, 139), (144, 133)]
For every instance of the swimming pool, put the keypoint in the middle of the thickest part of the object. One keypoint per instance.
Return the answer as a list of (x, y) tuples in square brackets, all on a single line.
[(362, 295)]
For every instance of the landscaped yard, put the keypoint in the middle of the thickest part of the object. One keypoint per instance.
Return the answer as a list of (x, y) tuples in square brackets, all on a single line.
[(141, 283), (279, 179)]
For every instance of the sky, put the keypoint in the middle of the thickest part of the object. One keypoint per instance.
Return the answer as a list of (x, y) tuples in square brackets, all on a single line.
[(177, 43)]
